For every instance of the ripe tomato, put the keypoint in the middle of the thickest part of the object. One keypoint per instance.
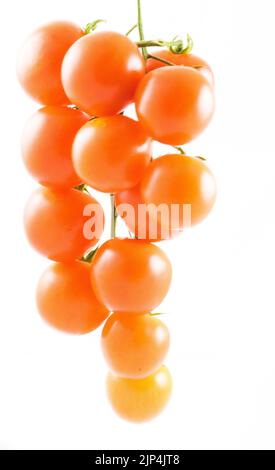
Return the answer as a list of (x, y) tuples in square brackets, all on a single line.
[(101, 71), (140, 400), (130, 275), (66, 300), (189, 60), (111, 153), (47, 145), (39, 64), (54, 223), (138, 217), (134, 346), (179, 179), (174, 104)]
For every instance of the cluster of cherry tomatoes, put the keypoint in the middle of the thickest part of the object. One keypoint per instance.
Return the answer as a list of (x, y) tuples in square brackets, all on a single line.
[(80, 138)]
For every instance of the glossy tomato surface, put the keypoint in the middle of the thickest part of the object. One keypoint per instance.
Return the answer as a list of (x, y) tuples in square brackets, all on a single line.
[(55, 223), (47, 145), (66, 300), (189, 60), (180, 180), (130, 275), (101, 71), (139, 400), (40, 60), (174, 104), (134, 346), (111, 153)]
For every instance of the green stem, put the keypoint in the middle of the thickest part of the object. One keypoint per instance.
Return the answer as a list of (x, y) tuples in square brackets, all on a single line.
[(82, 187), (90, 27), (176, 46), (164, 61), (140, 30), (151, 43), (89, 256), (179, 149), (132, 29), (113, 216)]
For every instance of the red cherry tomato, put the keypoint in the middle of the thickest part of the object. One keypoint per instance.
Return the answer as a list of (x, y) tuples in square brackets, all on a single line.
[(130, 275), (138, 217), (174, 104), (134, 346), (189, 60), (111, 154), (55, 223), (47, 145), (139, 400), (179, 179), (39, 64), (66, 300), (101, 71)]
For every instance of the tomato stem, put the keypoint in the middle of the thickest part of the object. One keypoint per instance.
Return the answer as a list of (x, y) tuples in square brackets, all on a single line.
[(132, 29), (92, 26), (179, 149), (82, 187), (164, 61), (89, 256), (140, 30), (176, 45), (113, 216)]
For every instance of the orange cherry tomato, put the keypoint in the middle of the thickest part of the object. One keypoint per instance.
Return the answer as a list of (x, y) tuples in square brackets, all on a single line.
[(140, 400), (179, 179), (174, 104), (189, 60), (54, 223), (134, 346), (39, 64), (47, 145), (66, 300), (111, 153), (130, 275), (101, 71), (138, 217)]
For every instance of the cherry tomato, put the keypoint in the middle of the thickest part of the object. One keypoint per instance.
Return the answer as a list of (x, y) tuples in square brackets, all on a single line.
[(139, 217), (39, 64), (174, 104), (179, 179), (111, 153), (130, 275), (101, 71), (189, 60), (66, 300), (47, 145), (140, 400), (134, 346), (54, 223)]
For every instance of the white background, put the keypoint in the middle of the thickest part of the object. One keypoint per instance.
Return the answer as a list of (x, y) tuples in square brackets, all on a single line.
[(221, 303)]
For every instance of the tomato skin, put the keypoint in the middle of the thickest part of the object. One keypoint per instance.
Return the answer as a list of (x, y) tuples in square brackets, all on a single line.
[(54, 223), (111, 153), (174, 104), (140, 400), (180, 179), (65, 298), (134, 346), (47, 145), (130, 275), (189, 60), (101, 71), (145, 227), (40, 60)]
